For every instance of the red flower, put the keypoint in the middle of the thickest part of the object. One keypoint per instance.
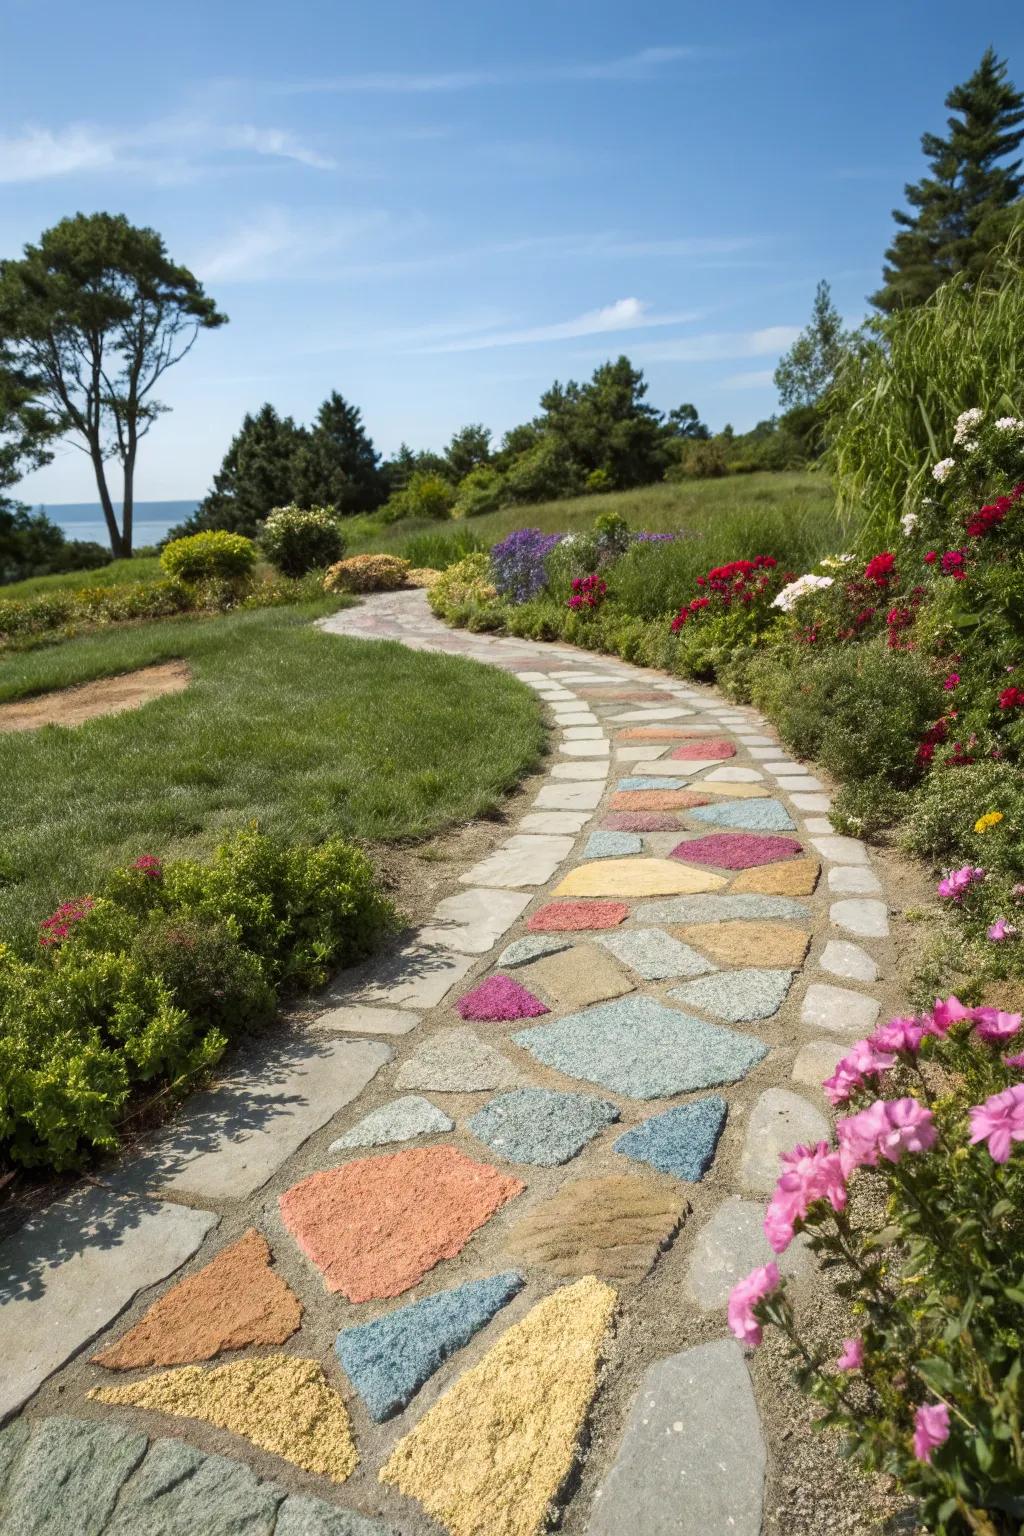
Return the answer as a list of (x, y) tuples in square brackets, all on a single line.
[(149, 865), (930, 557), (53, 929), (1011, 698), (880, 569), (954, 563)]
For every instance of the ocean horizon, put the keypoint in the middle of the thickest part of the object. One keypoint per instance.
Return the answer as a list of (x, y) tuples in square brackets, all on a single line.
[(84, 519)]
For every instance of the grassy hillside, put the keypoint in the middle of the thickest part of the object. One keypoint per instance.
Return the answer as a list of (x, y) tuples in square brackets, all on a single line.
[(116, 574)]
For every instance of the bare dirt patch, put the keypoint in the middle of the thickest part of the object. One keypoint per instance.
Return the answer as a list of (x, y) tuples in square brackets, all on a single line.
[(106, 696)]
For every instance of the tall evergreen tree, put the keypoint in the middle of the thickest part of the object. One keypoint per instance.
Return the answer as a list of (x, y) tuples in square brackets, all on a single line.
[(337, 465), (256, 475), (968, 202), (606, 424), (808, 368)]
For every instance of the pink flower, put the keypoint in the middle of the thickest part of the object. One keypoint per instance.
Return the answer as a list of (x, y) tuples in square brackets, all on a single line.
[(958, 881), (951, 681), (1000, 930), (899, 1035), (862, 1061), (744, 1297), (858, 1137), (852, 1357), (931, 1429), (808, 1174), (947, 1011), (995, 1027), (999, 1121), (910, 1127)]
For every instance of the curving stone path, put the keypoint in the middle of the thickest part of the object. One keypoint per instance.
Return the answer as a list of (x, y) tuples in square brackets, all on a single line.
[(455, 1257)]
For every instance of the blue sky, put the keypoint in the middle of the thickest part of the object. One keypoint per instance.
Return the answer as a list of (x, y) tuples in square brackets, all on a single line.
[(440, 208)]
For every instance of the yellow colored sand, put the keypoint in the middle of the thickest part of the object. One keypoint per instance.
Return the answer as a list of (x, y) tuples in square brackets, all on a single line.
[(282, 1404), (734, 791), (492, 1454), (637, 877), (796, 877)]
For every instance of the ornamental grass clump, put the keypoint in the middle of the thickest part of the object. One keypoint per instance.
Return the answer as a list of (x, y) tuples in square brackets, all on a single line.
[(929, 1387)]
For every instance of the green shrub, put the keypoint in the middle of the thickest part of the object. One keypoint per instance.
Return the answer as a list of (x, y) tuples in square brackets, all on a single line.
[(297, 541), (466, 585), (149, 979), (204, 557), (426, 496), (483, 490), (940, 819)]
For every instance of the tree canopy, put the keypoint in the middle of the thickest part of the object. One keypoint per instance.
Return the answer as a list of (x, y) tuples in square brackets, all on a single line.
[(807, 370), (92, 317), (967, 203)]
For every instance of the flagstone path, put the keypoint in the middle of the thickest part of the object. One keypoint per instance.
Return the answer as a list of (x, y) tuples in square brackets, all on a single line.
[(455, 1257)]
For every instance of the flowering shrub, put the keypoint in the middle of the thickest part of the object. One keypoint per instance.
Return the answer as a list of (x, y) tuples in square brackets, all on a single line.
[(930, 1387), (366, 573), (518, 563), (740, 584), (148, 979), (588, 592), (464, 585), (296, 541), (422, 576)]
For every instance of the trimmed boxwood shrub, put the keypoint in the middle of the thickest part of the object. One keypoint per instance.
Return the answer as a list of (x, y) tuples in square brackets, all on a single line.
[(213, 556)]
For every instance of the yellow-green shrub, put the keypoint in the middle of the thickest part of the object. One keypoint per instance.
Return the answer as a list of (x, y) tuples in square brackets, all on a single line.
[(212, 556), (367, 573)]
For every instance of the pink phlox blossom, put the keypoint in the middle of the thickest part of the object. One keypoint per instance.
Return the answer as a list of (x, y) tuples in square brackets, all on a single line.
[(862, 1061), (947, 1011), (931, 1429), (1016, 1061), (953, 885), (951, 681), (808, 1174), (852, 1357), (1000, 930), (887, 1128), (999, 1121), (744, 1297), (995, 1027), (900, 1035)]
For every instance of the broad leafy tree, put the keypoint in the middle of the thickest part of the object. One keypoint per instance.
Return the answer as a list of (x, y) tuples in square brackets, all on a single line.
[(966, 205), (93, 316), (337, 465)]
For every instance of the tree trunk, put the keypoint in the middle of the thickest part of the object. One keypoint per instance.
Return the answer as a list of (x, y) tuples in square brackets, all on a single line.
[(117, 546), (128, 504)]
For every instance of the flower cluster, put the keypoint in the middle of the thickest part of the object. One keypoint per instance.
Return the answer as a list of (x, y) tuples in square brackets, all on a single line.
[(990, 516), (881, 569), (989, 820), (588, 592), (740, 583), (150, 866), (791, 594), (518, 563), (1011, 698), (53, 929), (953, 886)]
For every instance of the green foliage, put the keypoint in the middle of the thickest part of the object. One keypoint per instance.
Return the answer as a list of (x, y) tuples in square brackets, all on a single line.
[(965, 207), (30, 545), (606, 425), (806, 372), (366, 573), (336, 464), (68, 609), (468, 451), (256, 475), (467, 584), (167, 964), (218, 565), (697, 460), (545, 471), (426, 496), (297, 541), (898, 394), (438, 550), (483, 490), (92, 317)]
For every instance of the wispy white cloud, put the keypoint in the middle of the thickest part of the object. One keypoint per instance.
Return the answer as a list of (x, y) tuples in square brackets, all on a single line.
[(279, 241), (720, 346), (641, 65), (757, 378), (174, 148), (623, 315)]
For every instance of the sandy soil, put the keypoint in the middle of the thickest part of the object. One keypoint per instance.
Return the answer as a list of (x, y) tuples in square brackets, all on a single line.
[(106, 696)]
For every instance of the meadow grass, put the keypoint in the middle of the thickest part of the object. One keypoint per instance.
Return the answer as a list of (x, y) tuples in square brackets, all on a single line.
[(118, 573), (307, 733)]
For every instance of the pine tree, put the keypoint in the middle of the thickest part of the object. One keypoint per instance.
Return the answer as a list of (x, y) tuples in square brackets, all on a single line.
[(968, 203), (808, 368), (338, 466), (257, 474)]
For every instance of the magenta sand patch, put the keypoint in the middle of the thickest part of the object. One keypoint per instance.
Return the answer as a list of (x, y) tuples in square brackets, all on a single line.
[(706, 749), (736, 850), (641, 821), (499, 997)]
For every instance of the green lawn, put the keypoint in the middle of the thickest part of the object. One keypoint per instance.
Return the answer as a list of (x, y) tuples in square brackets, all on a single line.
[(116, 574), (309, 733)]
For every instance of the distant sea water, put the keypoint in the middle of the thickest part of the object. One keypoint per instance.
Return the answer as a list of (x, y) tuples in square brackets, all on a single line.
[(84, 519)]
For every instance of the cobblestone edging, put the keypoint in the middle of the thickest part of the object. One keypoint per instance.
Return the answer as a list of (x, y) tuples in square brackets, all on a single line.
[(540, 1133)]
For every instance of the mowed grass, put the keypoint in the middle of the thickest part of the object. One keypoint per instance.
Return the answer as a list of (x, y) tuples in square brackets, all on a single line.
[(307, 733), (117, 574)]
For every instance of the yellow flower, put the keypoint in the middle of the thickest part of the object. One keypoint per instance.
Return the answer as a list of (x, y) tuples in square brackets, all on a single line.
[(990, 819)]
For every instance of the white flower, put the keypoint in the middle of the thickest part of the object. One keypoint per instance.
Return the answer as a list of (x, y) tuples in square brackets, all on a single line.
[(965, 421), (908, 522), (969, 447), (1010, 424), (834, 562), (792, 594), (943, 469)]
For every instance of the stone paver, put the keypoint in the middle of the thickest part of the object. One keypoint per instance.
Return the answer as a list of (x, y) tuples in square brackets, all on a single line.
[(637, 1046), (751, 815), (569, 797), (358, 1019), (230, 1139), (388, 1360), (579, 976), (526, 859), (235, 1301), (853, 880), (402, 1120), (475, 920), (840, 850), (729, 1246), (817, 1060), (537, 1125), (69, 1272), (419, 975), (692, 1459), (654, 954), (681, 1142), (730, 850), (779, 1121), (492, 1454), (612, 845), (457, 1061), (838, 1010), (577, 916), (721, 909), (376, 1226), (737, 996), (613, 1227), (842, 958), (522, 951), (67, 1478), (864, 918), (739, 943)]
